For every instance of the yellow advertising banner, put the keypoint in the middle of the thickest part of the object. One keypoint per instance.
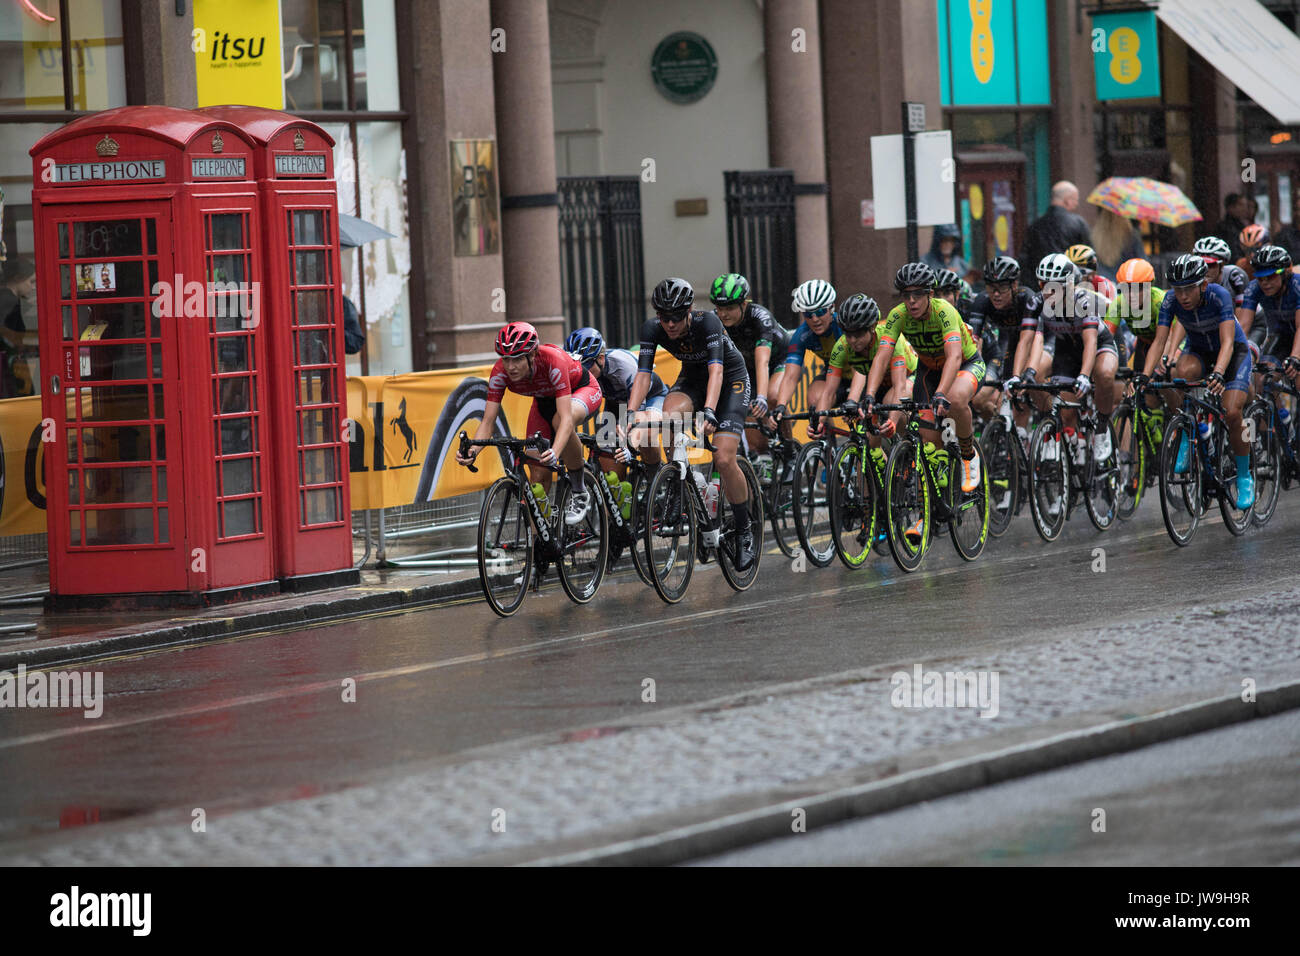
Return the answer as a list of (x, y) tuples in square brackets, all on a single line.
[(22, 467), (237, 55)]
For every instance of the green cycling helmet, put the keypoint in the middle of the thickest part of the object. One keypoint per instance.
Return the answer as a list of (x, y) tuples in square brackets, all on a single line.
[(729, 289)]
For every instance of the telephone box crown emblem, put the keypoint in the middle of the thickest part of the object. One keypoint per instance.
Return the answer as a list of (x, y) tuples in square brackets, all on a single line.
[(299, 141), (107, 146), (217, 144)]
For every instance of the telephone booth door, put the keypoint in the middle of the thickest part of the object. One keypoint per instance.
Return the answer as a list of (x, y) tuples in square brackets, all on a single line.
[(113, 480)]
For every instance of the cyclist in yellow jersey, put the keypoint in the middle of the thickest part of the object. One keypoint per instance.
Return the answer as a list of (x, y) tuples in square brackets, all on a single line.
[(949, 367), (859, 316)]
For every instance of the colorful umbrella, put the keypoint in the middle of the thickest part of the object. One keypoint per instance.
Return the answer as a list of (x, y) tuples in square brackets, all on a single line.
[(1145, 199)]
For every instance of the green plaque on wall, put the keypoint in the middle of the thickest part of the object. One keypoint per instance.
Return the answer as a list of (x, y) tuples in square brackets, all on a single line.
[(684, 67)]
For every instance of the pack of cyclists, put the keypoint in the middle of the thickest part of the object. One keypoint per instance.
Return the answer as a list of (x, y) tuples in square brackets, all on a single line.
[(964, 355)]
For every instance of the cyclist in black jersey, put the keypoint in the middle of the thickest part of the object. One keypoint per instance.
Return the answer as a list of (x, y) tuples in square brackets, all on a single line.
[(762, 342), (713, 380), (1005, 310)]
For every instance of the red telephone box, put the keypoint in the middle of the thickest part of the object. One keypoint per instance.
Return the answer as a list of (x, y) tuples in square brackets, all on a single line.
[(294, 169), (154, 357)]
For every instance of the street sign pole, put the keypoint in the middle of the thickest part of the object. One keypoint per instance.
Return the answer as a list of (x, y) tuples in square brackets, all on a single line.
[(913, 123)]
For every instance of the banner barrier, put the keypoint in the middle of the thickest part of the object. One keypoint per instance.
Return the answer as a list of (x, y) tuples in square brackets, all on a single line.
[(406, 429)]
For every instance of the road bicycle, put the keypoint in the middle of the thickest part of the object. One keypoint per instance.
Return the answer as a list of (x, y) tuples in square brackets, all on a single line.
[(520, 536), (857, 493), (1139, 431), (774, 468), (923, 493), (1063, 469), (810, 491), (1277, 439), (1211, 473), (1003, 454), (680, 525), (626, 531)]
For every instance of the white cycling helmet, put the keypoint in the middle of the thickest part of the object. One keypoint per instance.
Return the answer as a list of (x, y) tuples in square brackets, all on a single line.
[(1055, 268), (1212, 247), (814, 295)]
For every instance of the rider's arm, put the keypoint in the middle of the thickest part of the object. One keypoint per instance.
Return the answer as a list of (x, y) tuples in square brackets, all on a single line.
[(1089, 351), (1175, 339), (645, 364), (762, 358), (884, 356), (713, 391), (952, 362), (1227, 335), (1246, 317), (484, 430), (856, 387), (640, 389)]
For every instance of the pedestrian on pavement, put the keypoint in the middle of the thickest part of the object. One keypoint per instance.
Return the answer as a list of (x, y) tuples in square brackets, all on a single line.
[(19, 284), (1055, 230), (353, 336), (946, 251), (1236, 216), (1288, 237), (1115, 240)]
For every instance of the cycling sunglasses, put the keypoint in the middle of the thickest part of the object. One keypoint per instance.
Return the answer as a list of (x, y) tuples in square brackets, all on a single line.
[(910, 294), (816, 315), (672, 318), (1001, 286)]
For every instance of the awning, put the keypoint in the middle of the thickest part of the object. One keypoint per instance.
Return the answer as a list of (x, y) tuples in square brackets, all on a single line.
[(1245, 43)]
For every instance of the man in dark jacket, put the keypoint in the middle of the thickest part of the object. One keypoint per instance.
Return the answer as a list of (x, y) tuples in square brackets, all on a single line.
[(1236, 217), (1288, 236), (1055, 230)]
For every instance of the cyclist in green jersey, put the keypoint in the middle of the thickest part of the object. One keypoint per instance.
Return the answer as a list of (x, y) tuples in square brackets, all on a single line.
[(853, 354), (950, 369)]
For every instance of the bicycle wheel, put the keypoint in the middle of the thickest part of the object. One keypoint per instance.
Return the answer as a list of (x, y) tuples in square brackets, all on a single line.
[(1130, 460), (637, 523), (969, 525), (1235, 519), (1101, 485), (1003, 466), (505, 547), (907, 502), (1049, 477), (670, 534), (1180, 494), (853, 505), (1265, 459), (728, 544), (584, 547), (812, 504), (778, 502)]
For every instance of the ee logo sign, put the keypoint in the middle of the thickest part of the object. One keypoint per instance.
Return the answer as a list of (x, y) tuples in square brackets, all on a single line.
[(1125, 65)]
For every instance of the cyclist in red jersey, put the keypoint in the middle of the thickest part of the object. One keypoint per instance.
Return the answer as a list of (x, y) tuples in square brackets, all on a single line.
[(564, 396)]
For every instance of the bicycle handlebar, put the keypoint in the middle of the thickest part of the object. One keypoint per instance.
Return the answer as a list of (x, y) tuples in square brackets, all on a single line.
[(537, 441)]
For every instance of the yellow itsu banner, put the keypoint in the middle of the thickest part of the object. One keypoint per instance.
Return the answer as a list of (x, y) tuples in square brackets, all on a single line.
[(237, 56)]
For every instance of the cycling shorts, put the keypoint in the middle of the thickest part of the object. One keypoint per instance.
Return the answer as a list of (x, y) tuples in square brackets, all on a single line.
[(1237, 377), (733, 403)]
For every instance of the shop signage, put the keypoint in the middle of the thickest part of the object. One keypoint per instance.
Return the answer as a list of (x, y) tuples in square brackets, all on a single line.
[(1125, 55)]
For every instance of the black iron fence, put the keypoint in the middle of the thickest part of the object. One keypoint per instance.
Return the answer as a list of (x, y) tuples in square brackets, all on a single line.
[(761, 236), (602, 268)]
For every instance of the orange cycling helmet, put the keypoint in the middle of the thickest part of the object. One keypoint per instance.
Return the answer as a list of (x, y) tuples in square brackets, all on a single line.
[(1136, 270), (1253, 235)]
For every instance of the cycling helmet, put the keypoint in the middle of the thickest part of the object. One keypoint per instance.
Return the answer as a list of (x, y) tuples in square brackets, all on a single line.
[(813, 296), (1187, 270), (859, 313), (914, 275), (1055, 268), (1253, 235), (949, 231), (517, 338), (1137, 270), (1085, 257), (946, 279), (1002, 269), (1212, 248), (729, 289), (672, 295), (1268, 260), (586, 343)]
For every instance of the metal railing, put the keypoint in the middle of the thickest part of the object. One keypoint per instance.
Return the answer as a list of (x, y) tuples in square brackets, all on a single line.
[(602, 265), (761, 236)]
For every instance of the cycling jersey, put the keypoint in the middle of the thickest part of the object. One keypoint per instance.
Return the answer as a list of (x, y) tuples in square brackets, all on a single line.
[(704, 343), (1279, 310), (1202, 323), (805, 339), (1140, 317), (1020, 315), (620, 372), (846, 361), (1235, 280), (555, 372), (1102, 286), (928, 334), (757, 327)]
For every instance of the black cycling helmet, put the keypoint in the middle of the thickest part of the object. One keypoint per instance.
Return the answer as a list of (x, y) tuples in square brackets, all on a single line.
[(672, 295), (946, 280), (1187, 269), (1268, 260), (914, 275), (859, 313), (1002, 269)]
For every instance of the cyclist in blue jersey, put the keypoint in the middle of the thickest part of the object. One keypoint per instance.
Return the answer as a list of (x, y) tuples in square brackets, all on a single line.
[(814, 300), (1216, 349), (615, 371), (1275, 289)]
